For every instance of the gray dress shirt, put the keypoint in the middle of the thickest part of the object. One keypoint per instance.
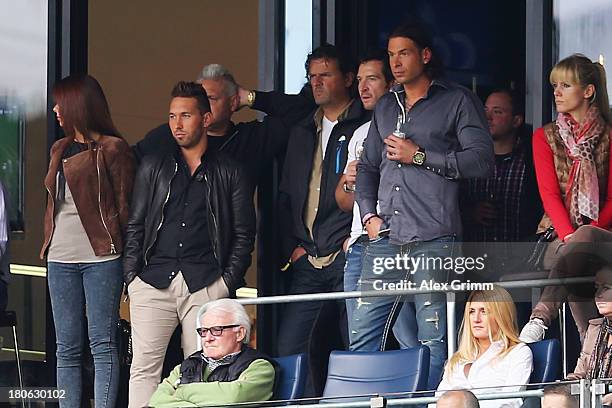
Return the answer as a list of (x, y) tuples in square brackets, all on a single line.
[(420, 203)]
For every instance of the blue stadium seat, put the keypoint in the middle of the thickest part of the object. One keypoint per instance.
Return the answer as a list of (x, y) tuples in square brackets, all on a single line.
[(546, 361), (359, 373), (292, 377)]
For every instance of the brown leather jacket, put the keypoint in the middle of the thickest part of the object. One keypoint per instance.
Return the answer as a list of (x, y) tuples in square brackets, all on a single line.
[(101, 182)]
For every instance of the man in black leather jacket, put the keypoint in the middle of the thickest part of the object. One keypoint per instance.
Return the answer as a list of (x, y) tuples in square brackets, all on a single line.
[(189, 239)]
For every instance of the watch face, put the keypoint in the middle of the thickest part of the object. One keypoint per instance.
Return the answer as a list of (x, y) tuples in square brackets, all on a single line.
[(418, 158)]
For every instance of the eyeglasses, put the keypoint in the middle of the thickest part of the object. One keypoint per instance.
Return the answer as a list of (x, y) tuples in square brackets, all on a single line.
[(215, 330)]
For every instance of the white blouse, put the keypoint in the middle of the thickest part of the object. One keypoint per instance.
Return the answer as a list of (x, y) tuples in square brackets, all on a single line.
[(505, 374)]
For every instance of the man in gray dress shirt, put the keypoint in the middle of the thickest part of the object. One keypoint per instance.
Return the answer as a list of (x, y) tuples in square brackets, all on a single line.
[(425, 134)]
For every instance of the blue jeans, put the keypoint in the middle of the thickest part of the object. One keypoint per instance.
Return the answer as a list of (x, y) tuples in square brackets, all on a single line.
[(91, 290), (372, 320), (404, 328), (352, 272)]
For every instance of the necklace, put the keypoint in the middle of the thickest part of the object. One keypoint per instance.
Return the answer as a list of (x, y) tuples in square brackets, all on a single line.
[(410, 105)]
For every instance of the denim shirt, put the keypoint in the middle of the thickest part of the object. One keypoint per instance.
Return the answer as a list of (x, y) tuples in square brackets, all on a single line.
[(420, 203)]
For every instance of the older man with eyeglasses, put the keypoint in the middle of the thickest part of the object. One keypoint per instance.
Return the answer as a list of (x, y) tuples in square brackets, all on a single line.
[(226, 370)]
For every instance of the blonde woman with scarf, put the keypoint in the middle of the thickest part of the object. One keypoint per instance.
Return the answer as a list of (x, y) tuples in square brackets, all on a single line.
[(572, 162), (490, 357)]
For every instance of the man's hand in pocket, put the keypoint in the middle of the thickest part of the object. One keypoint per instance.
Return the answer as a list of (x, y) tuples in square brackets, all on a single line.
[(373, 227), (297, 253)]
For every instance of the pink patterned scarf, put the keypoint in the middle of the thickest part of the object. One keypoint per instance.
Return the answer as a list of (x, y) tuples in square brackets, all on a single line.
[(580, 139)]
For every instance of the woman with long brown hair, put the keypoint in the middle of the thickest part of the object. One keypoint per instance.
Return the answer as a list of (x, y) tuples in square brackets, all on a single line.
[(89, 181), (573, 162)]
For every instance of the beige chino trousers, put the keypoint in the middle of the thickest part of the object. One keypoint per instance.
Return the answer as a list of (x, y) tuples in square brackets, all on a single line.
[(154, 315)]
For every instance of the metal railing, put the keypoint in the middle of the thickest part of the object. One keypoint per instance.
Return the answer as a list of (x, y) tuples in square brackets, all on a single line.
[(589, 393), (451, 324)]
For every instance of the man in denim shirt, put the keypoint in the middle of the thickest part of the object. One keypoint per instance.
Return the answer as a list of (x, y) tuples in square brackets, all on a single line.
[(425, 134)]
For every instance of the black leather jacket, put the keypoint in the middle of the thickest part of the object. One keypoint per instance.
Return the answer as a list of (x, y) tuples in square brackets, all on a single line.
[(231, 215)]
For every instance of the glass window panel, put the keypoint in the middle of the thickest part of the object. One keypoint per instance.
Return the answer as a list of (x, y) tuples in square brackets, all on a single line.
[(23, 88), (298, 42), (23, 164), (584, 27)]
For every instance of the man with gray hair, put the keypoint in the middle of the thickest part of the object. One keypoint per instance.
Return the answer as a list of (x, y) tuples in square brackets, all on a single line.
[(253, 143), (226, 370), (458, 399)]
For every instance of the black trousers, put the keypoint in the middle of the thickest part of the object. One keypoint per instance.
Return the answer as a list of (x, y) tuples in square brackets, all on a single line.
[(296, 328)]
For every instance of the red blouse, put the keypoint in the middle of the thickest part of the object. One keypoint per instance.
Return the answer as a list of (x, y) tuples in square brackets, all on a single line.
[(550, 191)]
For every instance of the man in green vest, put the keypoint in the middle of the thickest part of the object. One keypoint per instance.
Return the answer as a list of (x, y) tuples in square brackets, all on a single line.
[(226, 370)]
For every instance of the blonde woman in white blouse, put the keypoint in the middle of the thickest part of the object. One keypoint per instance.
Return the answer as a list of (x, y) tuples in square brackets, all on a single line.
[(490, 357)]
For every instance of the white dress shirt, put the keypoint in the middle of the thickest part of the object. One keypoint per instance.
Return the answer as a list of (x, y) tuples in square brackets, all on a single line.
[(356, 141), (505, 374)]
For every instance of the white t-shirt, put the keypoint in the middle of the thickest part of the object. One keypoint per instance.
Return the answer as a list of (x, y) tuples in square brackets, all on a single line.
[(503, 374), (355, 143), (327, 127)]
